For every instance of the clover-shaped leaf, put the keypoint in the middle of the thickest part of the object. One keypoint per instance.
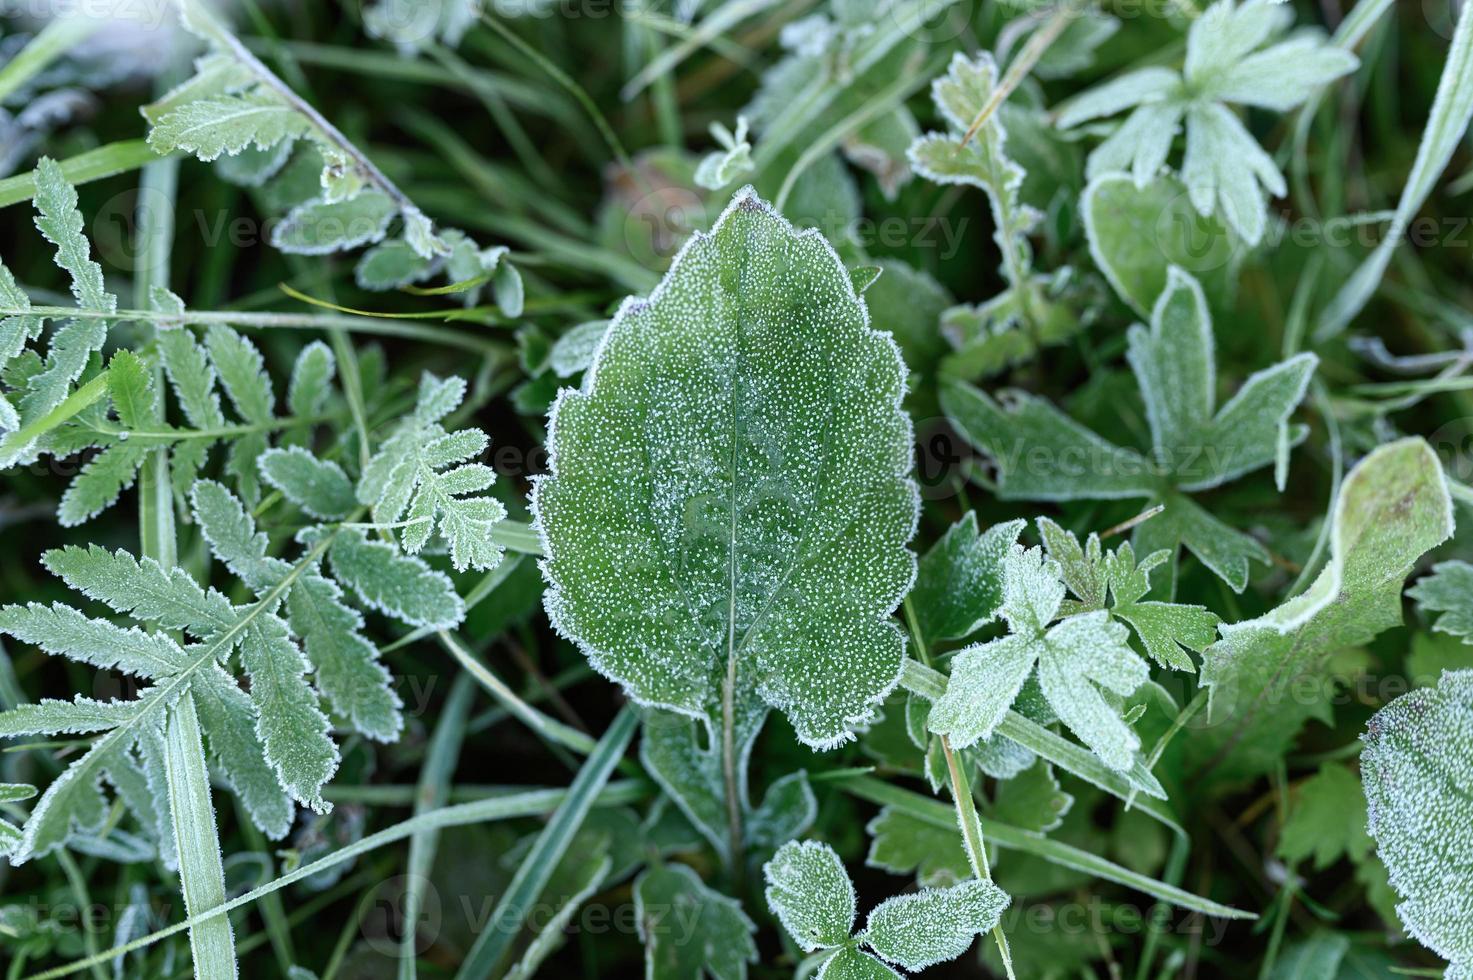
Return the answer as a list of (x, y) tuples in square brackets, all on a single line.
[(1042, 454), (810, 892), (729, 498), (1225, 170)]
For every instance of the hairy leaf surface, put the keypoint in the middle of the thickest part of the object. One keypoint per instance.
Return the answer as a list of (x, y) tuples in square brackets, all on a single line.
[(729, 496)]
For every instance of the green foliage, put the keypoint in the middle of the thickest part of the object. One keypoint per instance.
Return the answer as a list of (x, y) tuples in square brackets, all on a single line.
[(1392, 508), (254, 351), (1414, 768), (1076, 659), (810, 893), (1224, 169), (1042, 454), (1448, 591), (1328, 820), (718, 943), (422, 474), (701, 429)]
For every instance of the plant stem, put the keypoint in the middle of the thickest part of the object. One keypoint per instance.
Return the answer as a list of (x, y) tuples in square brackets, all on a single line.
[(1022, 65), (527, 804), (329, 133), (728, 770), (383, 327)]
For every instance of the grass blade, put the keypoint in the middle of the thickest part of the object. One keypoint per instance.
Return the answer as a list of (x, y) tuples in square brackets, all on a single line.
[(1451, 112), (527, 804), (537, 867), (939, 814), (201, 868), (434, 788)]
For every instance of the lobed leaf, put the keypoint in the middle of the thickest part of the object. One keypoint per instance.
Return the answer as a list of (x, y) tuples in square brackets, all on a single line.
[(729, 491)]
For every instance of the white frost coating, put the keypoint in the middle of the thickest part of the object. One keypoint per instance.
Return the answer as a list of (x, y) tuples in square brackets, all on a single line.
[(1419, 794), (934, 925), (1076, 657), (1224, 168), (811, 894), (731, 487), (1346, 533)]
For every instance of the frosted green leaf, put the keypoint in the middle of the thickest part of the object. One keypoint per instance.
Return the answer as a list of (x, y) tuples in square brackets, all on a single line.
[(1327, 819), (271, 744), (726, 165), (1042, 454), (293, 729), (227, 124), (398, 585), (1166, 629), (787, 810), (100, 482), (423, 475), (413, 25), (214, 75), (311, 381), (690, 931), (59, 220), (1449, 591), (934, 925), (242, 373), (851, 963), (574, 350), (959, 582), (346, 665), (1225, 170), (390, 265), (902, 844), (1392, 508), (1074, 657), (74, 343), (105, 476), (1137, 233), (192, 377), (1415, 770), (691, 772), (729, 493), (318, 486), (981, 162), (810, 893), (321, 227), (66, 632), (1032, 800)]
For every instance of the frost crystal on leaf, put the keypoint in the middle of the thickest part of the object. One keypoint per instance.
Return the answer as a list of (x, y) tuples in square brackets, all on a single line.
[(1196, 444), (423, 474), (729, 499), (1075, 658), (1420, 802), (1392, 509), (1225, 170), (810, 893)]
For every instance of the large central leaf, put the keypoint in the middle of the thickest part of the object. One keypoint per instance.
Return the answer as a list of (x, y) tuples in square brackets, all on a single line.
[(729, 499)]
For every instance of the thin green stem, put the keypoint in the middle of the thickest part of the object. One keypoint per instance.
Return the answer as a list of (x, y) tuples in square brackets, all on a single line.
[(382, 327), (529, 804)]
